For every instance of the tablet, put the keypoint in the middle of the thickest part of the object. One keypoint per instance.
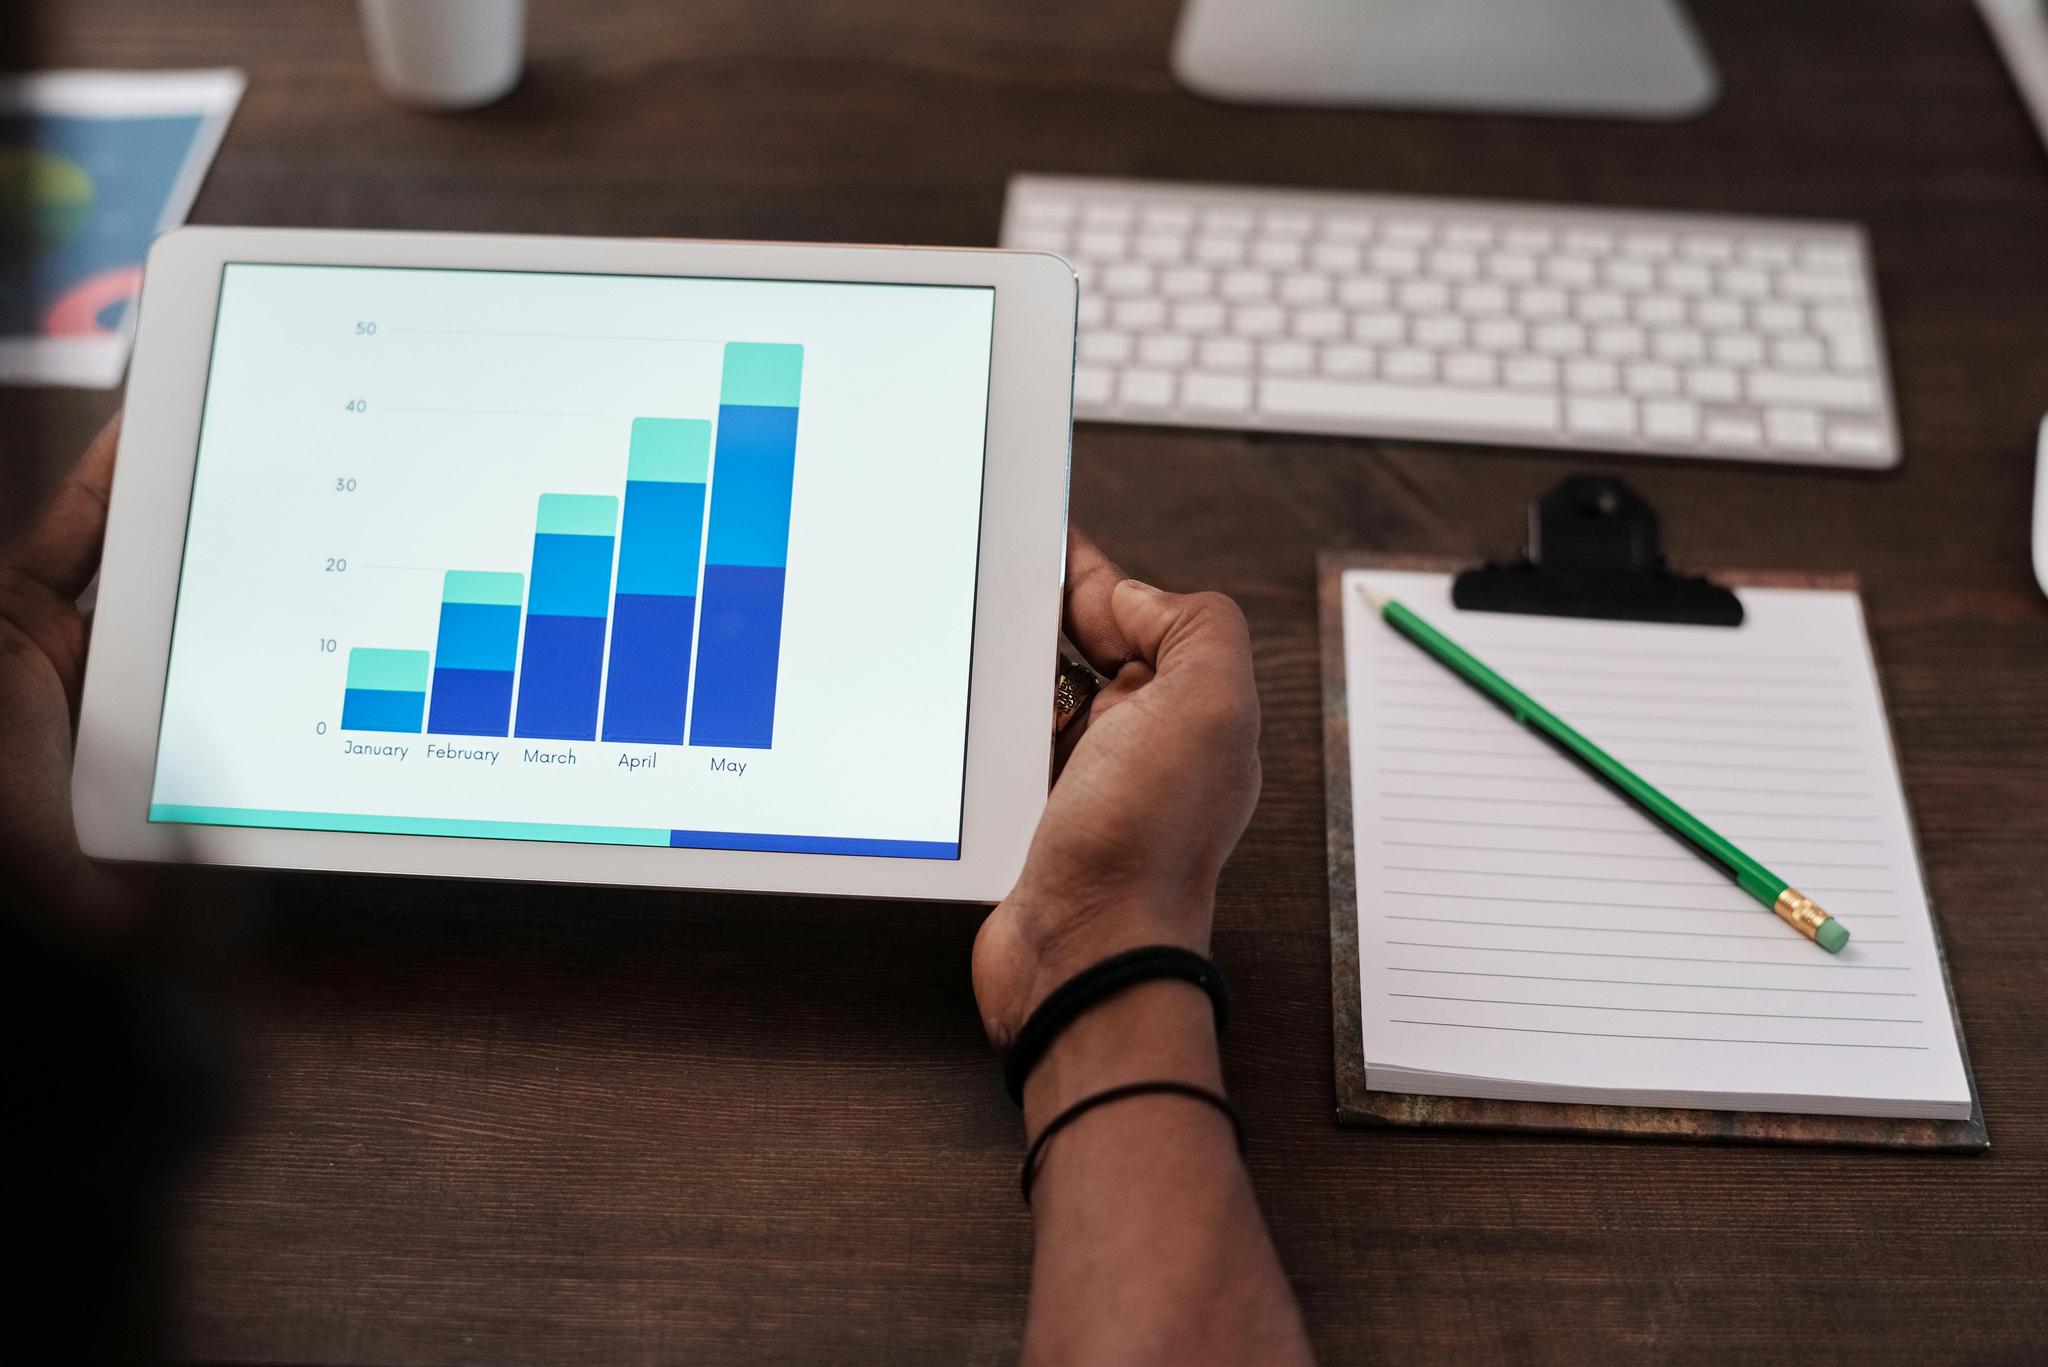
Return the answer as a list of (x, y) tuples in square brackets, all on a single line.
[(686, 564)]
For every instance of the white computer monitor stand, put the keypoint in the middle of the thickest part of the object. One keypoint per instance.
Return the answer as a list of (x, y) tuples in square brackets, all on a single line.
[(1620, 58)]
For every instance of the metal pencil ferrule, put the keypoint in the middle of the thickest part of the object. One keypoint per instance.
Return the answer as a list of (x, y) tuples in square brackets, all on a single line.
[(1800, 912)]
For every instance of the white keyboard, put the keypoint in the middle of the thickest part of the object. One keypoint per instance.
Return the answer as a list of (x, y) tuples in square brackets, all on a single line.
[(1463, 320)]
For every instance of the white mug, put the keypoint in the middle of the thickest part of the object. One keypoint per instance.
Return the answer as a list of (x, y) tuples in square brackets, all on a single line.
[(445, 54)]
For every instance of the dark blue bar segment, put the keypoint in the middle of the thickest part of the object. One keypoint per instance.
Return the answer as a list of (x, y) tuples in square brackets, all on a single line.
[(559, 678), (381, 709), (650, 666), (737, 658), (471, 702), (813, 844)]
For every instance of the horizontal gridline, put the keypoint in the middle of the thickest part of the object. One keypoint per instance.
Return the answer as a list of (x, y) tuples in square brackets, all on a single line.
[(1836, 967), (1751, 910), (1614, 930), (1681, 1039), (1658, 1010), (1608, 854), (1605, 878), (1647, 982), (1615, 830)]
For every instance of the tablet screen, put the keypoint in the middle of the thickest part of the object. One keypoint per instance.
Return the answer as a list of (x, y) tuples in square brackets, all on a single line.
[(626, 559)]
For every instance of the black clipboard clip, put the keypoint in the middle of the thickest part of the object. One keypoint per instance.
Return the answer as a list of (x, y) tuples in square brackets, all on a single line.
[(1594, 552)]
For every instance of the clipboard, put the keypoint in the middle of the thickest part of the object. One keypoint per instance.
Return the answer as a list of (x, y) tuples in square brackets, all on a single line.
[(1593, 551)]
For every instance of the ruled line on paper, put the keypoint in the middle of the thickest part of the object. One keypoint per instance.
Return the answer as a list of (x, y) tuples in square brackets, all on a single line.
[(1659, 1010), (1832, 966), (1648, 982), (1620, 930), (1688, 1039)]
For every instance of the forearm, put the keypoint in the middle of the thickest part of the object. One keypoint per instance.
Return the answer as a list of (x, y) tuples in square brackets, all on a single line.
[(1150, 1246)]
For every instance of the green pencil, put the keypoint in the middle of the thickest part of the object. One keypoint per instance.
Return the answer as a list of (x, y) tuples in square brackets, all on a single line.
[(1795, 908)]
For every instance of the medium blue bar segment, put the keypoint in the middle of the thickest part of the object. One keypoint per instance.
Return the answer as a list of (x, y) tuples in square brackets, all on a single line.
[(572, 575), (478, 636), (662, 534), (380, 709), (559, 678), (737, 658), (752, 479), (813, 844), (471, 702), (649, 684)]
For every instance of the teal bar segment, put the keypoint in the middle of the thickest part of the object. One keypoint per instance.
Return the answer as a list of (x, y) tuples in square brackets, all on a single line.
[(388, 671), (669, 451), (762, 374), (490, 588), (404, 825), (577, 515)]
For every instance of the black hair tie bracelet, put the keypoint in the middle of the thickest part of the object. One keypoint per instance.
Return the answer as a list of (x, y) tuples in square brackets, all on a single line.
[(1029, 1174), (1090, 986)]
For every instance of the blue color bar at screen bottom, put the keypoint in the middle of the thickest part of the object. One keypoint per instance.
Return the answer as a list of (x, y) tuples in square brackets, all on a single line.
[(535, 830)]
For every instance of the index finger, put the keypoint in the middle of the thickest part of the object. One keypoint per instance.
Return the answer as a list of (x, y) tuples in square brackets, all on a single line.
[(1090, 624), (61, 550)]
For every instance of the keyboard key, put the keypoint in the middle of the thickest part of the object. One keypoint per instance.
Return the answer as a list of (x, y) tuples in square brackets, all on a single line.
[(1166, 349), (1045, 210), (1287, 358), (1589, 241), (1396, 260), (1440, 331), (1203, 315), (1768, 251), (1600, 306), (1146, 389), (1453, 264), (1410, 404), (1649, 246), (1708, 247), (1408, 231), (1040, 240), (1364, 291), (1797, 353), (1468, 234), (1482, 300), (1796, 428), (1592, 377), (1856, 438), (1424, 296), (1738, 348), (1092, 384), (1829, 258), (1379, 327), (1738, 433), (1107, 216), (1219, 251), (1818, 391), (1682, 278), (1660, 310), (1813, 285), (1348, 228), (1629, 275), (1258, 320), (1305, 289), (1094, 311), (1279, 253), (1779, 320), (1528, 239), (1650, 378), (1106, 347), (1187, 282), (1542, 302), (1531, 372), (1678, 344), (1619, 342), (1409, 364), (1163, 248), (1290, 223), (1170, 219), (1348, 360), (1745, 282), (1849, 351), (1713, 385), (1216, 393), (1336, 257), (1127, 279), (1601, 417), (1319, 324), (1226, 353), (1514, 268), (1560, 339), (1241, 286), (1671, 420), (1471, 367), (1227, 220), (1100, 246), (1717, 313), (1500, 334), (1138, 315)]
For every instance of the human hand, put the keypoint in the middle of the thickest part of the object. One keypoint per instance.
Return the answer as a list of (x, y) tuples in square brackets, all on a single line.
[(42, 669), (1151, 801)]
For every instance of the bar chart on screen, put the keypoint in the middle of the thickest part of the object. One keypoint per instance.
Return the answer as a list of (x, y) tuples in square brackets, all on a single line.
[(636, 581), (582, 558)]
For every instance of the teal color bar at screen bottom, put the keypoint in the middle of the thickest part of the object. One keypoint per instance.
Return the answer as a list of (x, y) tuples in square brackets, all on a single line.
[(404, 825)]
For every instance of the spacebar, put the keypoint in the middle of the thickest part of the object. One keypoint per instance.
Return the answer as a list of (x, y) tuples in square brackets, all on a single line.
[(1410, 404)]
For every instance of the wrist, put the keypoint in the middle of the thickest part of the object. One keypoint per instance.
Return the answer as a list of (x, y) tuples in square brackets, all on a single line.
[(1163, 1029), (1031, 947)]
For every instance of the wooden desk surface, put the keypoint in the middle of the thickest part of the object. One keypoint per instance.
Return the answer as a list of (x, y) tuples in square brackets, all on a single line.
[(514, 1125)]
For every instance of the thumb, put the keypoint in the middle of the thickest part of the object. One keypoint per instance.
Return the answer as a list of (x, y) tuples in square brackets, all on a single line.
[(1168, 628)]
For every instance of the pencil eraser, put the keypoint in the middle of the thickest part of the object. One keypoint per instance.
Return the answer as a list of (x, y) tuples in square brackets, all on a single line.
[(1831, 936)]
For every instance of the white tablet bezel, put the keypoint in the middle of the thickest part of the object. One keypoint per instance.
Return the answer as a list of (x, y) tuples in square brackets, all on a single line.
[(1018, 583)]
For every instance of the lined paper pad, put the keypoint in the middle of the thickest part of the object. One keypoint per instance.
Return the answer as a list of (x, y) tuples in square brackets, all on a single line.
[(1525, 934)]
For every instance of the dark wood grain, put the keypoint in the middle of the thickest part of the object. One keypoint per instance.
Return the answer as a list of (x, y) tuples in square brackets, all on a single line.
[(482, 1123)]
